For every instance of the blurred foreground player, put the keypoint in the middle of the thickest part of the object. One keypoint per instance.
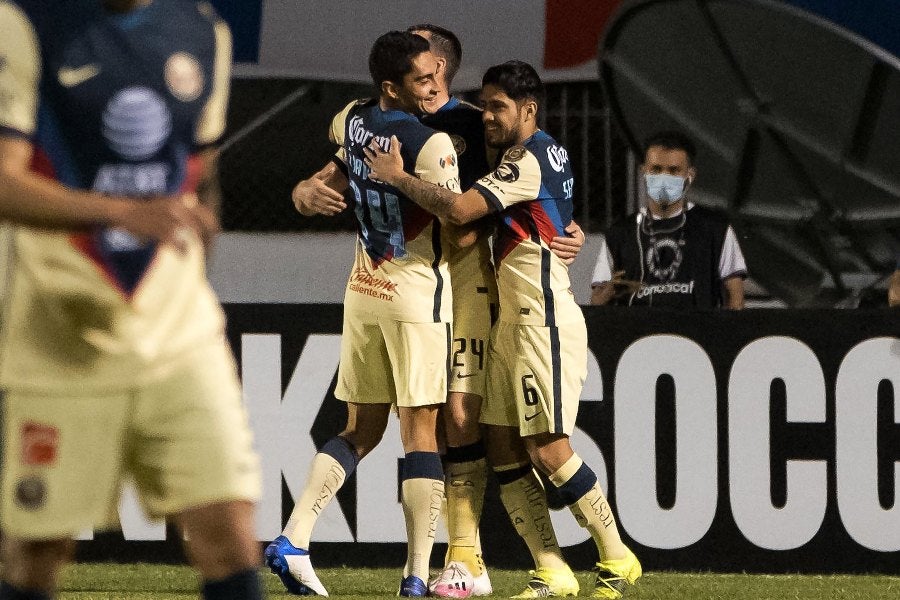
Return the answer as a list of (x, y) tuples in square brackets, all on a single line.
[(114, 360), (396, 333)]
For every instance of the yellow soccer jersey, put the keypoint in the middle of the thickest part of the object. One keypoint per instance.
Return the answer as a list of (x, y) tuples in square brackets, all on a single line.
[(101, 310), (531, 190), (400, 270)]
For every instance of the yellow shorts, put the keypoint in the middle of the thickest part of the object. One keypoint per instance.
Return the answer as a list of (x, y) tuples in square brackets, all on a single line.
[(473, 315), (535, 376), (384, 361), (184, 440)]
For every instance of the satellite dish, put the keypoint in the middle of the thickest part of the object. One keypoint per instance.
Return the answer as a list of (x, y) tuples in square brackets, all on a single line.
[(797, 124)]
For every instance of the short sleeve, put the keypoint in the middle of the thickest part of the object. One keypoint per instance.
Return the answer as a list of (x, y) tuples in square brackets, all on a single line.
[(731, 263), (211, 125), (437, 162), (604, 266), (20, 69), (336, 131), (516, 179)]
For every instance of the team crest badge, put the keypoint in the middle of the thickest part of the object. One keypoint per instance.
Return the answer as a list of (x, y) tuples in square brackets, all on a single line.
[(184, 77), (31, 492), (514, 154)]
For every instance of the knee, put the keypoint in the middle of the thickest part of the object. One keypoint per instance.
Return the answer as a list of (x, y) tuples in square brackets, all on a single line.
[(363, 440)]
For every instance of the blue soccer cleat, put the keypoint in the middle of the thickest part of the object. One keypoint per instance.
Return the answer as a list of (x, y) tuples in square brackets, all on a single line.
[(413, 586), (293, 567)]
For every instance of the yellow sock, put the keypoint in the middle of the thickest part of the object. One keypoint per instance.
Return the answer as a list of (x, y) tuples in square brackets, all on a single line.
[(466, 482), (421, 500), (593, 512), (326, 476), (526, 505)]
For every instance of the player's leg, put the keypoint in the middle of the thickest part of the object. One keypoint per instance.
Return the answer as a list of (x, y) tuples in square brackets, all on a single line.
[(190, 452), (523, 498), (554, 389), (220, 543), (465, 467), (364, 383), (579, 489), (61, 473), (520, 491), (31, 568), (419, 354)]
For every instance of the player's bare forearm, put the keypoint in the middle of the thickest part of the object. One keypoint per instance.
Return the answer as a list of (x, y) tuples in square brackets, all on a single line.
[(433, 198), (209, 190), (734, 293)]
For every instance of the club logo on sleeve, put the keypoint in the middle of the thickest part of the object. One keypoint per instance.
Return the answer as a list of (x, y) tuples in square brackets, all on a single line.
[(39, 444), (507, 172), (184, 77)]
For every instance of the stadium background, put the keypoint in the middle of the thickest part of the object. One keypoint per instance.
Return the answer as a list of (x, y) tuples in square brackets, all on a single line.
[(276, 135)]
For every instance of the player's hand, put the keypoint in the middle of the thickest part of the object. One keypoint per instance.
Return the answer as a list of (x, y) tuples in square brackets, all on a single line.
[(385, 167), (168, 220), (567, 247), (314, 197)]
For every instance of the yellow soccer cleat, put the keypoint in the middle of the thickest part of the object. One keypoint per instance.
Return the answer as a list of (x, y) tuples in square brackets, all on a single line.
[(546, 583), (614, 576)]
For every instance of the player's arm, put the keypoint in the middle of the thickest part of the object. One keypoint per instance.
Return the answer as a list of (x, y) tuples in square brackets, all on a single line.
[(894, 289), (323, 193), (445, 203), (733, 290)]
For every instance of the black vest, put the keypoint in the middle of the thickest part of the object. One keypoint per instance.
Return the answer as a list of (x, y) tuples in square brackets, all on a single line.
[(676, 260)]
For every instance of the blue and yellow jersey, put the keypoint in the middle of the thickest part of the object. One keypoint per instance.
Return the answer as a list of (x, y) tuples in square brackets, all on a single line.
[(117, 103), (400, 270), (531, 189), (470, 267)]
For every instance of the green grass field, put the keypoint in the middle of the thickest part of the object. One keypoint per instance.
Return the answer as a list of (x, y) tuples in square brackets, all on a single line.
[(145, 582)]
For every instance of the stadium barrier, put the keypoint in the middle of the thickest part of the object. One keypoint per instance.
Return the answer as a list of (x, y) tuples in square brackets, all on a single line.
[(758, 441)]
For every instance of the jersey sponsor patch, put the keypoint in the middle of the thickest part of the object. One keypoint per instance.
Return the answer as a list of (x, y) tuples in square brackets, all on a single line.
[(449, 160), (459, 143), (184, 77)]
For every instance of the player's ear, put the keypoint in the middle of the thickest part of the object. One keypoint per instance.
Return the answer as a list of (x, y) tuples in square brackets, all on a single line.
[(691, 175), (530, 107), (389, 89)]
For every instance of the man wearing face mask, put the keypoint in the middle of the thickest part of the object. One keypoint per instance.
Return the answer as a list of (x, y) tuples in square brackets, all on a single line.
[(671, 253)]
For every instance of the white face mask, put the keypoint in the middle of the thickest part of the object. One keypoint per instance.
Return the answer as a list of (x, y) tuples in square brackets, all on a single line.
[(663, 188)]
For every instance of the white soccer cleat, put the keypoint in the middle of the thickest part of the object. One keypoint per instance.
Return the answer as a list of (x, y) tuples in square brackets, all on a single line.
[(293, 567), (454, 582), (482, 584)]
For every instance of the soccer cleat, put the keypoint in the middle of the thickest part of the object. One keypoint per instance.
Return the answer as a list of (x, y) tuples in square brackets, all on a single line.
[(481, 585), (293, 567), (546, 583), (614, 576), (455, 581), (412, 586)]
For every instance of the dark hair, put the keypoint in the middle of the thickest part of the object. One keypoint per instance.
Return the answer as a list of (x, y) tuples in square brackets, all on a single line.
[(517, 79), (392, 54), (672, 140), (445, 44)]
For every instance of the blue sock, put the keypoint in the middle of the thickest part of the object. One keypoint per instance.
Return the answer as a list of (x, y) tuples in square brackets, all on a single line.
[(9, 592), (244, 585)]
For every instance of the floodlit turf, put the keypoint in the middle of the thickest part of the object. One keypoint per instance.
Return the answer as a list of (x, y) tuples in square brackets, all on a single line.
[(145, 582)]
